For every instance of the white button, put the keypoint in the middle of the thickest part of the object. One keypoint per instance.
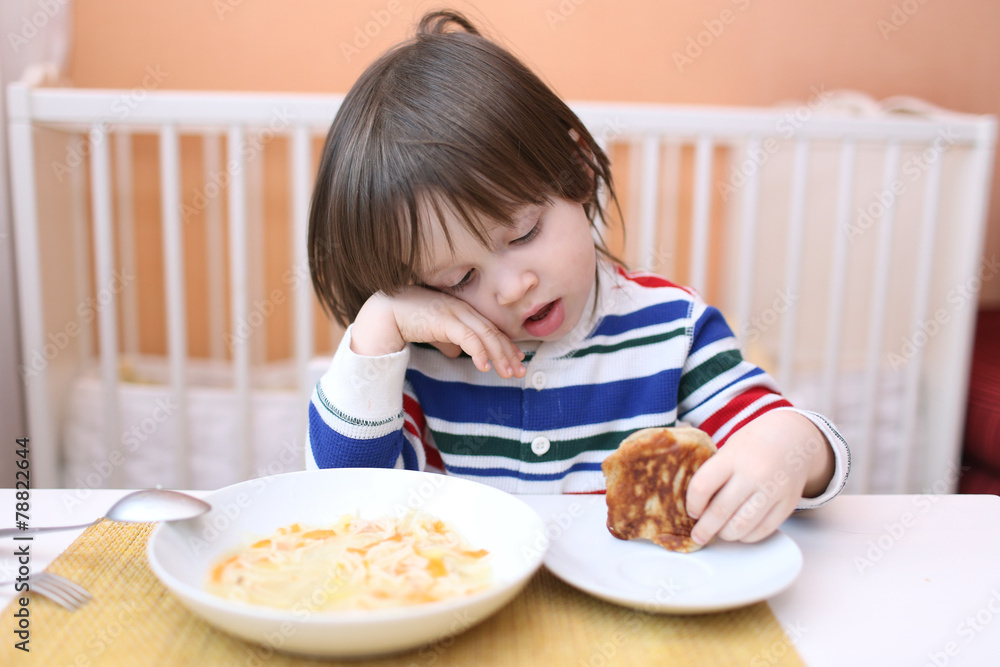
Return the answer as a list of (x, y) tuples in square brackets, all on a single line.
[(540, 445), (538, 380)]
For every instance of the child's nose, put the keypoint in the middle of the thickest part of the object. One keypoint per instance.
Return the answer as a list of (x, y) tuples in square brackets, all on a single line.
[(513, 286)]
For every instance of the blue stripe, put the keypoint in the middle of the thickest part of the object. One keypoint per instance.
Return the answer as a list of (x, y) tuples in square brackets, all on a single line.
[(601, 403), (531, 477), (409, 455), (464, 402), (612, 325), (710, 327), (459, 402), (335, 450)]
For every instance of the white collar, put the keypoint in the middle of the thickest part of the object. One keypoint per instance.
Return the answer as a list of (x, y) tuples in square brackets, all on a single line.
[(605, 280)]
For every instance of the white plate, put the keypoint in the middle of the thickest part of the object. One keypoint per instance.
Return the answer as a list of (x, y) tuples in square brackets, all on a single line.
[(640, 574), (181, 554)]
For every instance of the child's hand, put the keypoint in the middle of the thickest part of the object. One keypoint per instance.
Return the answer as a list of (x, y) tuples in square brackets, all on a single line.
[(754, 482), (420, 315)]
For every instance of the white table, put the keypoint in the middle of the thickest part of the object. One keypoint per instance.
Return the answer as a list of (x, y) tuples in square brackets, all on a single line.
[(887, 580)]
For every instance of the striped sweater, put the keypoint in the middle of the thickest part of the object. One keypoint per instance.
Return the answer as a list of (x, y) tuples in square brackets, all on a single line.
[(646, 353)]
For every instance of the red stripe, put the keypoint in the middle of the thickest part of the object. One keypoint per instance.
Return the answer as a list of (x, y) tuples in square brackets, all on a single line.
[(650, 280), (586, 493), (433, 457), (744, 422), (416, 427), (735, 406), (412, 408)]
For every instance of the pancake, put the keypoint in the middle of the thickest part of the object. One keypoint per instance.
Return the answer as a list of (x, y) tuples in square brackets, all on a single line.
[(647, 480)]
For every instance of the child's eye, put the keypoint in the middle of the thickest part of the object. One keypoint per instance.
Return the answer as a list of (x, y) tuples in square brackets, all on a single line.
[(530, 235), (466, 279)]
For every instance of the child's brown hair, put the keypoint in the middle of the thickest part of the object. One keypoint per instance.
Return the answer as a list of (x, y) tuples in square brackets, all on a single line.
[(447, 119)]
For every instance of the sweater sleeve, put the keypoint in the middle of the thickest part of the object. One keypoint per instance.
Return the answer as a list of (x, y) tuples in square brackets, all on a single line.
[(720, 392), (356, 416)]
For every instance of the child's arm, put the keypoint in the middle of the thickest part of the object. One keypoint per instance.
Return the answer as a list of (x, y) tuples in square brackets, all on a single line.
[(772, 457), (420, 315), (757, 479), (358, 415)]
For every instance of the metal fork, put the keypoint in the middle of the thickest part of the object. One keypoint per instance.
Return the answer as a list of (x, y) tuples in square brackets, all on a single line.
[(68, 594)]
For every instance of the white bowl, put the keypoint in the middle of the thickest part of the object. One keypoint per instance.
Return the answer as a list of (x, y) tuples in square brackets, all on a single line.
[(181, 554)]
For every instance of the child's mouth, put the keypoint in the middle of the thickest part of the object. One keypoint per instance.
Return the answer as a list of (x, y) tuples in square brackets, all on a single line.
[(547, 320)]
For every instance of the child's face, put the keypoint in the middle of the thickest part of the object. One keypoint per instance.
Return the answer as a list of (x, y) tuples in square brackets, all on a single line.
[(534, 283)]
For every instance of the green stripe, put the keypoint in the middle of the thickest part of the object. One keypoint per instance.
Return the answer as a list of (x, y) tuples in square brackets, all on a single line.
[(707, 370), (560, 450), (634, 342)]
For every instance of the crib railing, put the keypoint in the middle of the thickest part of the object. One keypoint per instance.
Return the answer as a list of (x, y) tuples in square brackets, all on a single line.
[(765, 211)]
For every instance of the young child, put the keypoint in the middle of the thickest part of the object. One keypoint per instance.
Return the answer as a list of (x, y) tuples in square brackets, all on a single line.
[(490, 335)]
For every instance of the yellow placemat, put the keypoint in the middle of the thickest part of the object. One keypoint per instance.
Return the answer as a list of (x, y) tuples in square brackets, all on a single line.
[(134, 620)]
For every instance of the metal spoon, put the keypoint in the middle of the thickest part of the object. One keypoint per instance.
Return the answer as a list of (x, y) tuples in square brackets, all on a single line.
[(139, 506)]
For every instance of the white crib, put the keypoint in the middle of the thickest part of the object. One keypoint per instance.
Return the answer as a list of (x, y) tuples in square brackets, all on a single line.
[(842, 239)]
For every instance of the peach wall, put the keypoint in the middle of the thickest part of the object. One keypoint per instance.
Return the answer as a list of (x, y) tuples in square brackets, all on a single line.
[(764, 52)]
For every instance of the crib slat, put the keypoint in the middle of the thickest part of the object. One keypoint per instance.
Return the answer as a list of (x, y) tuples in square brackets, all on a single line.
[(257, 325), (303, 312), (104, 253), (648, 195), (940, 460), (667, 264), (748, 236), (238, 295), (214, 233), (701, 211), (793, 262), (126, 240), (81, 252), (838, 281), (173, 258), (44, 443), (925, 264), (876, 324)]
